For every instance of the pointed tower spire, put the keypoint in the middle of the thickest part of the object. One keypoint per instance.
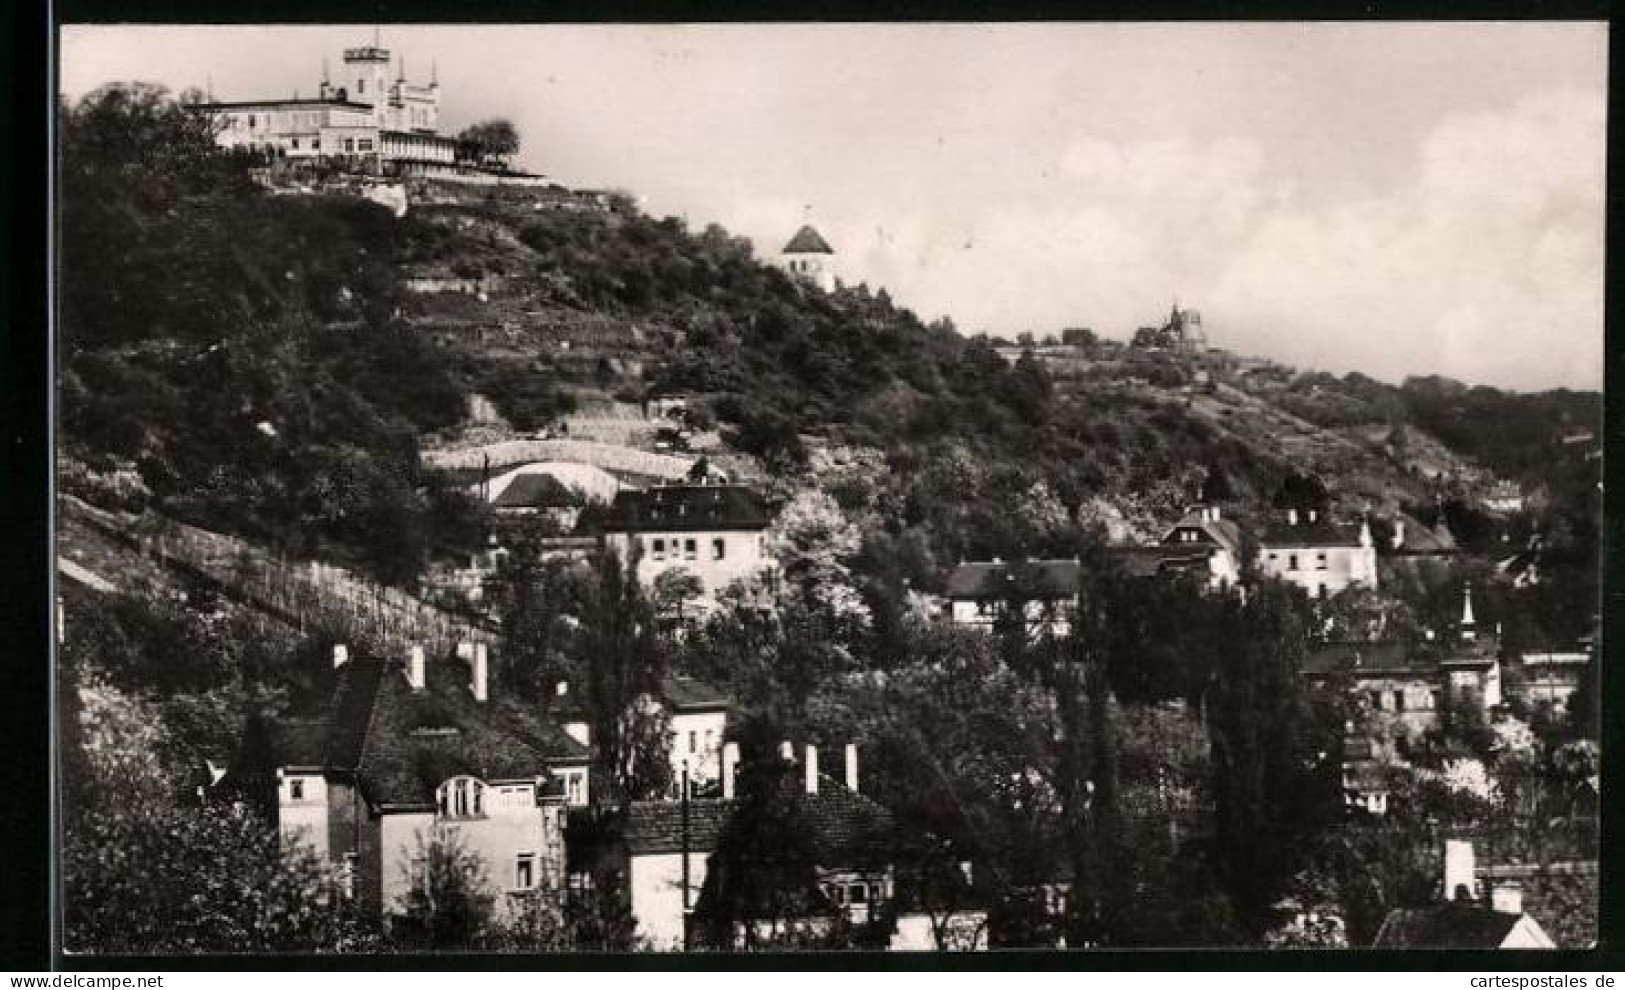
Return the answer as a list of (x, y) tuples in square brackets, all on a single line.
[(1469, 627)]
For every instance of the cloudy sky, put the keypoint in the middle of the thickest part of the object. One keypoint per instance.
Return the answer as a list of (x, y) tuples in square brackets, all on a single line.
[(1391, 198)]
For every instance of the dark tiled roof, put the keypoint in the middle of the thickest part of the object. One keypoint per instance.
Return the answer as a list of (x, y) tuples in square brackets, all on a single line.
[(687, 508), (300, 742), (1160, 559), (1447, 926), (1369, 659), (401, 745), (655, 827), (808, 241), (687, 694), (983, 579), (1223, 532), (537, 491), (1320, 533), (848, 829)]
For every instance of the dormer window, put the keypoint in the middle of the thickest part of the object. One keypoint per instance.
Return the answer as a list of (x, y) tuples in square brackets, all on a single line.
[(296, 789), (461, 797)]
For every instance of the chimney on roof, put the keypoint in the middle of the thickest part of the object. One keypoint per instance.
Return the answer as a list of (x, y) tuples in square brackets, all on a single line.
[(1507, 897), (998, 560), (341, 655), (465, 649), (730, 767), (562, 688), (480, 682), (1399, 534), (811, 769), (852, 767), (1213, 513), (1292, 517), (414, 667), (1460, 884), (787, 752)]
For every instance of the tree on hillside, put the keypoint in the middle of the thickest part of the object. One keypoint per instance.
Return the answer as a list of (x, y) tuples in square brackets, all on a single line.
[(494, 139), (1275, 752), (622, 659)]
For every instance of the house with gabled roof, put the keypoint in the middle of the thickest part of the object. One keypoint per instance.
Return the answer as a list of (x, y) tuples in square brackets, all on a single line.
[(667, 848), (1474, 913), (697, 716), (715, 532), (408, 752), (1306, 548), (809, 258), (1204, 528)]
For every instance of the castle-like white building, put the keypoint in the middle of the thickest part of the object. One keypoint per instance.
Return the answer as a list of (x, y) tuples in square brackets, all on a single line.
[(370, 116)]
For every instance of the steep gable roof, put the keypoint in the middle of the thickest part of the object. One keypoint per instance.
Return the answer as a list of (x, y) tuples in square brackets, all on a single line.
[(848, 829), (1223, 532), (984, 580), (808, 241), (687, 508), (1446, 926), (537, 491), (401, 744)]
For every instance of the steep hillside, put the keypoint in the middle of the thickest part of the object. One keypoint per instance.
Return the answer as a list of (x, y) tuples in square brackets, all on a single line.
[(271, 365)]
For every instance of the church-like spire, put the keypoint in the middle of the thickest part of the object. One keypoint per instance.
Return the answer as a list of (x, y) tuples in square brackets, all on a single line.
[(1469, 626)]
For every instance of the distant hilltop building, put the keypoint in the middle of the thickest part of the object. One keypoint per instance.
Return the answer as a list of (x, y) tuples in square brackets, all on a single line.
[(809, 257), (372, 118), (1182, 334)]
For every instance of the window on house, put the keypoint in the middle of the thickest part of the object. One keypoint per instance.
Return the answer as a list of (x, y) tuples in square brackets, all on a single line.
[(691, 549), (360, 86), (296, 144), (858, 894), (1399, 701), (250, 120), (1320, 560), (1292, 562), (575, 788), (693, 741), (1435, 699), (296, 789), (524, 871), (719, 548), (660, 549), (349, 144), (1320, 589)]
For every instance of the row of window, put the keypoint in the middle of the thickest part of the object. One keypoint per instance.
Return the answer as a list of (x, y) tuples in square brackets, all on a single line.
[(845, 894), (1292, 560), (1394, 701), (685, 549)]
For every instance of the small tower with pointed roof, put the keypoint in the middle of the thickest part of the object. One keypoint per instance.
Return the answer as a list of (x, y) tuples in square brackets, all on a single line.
[(807, 256)]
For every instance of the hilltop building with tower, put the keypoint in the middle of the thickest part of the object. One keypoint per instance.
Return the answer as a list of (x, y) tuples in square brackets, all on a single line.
[(807, 257), (372, 117)]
